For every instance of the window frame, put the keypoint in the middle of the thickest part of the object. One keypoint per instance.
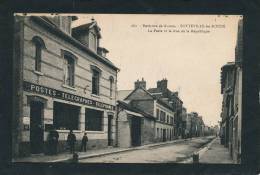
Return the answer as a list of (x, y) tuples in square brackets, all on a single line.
[(72, 59), (39, 46), (111, 82), (95, 40), (95, 69), (90, 118)]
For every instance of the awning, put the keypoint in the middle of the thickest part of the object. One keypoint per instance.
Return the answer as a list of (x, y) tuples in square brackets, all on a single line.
[(134, 113)]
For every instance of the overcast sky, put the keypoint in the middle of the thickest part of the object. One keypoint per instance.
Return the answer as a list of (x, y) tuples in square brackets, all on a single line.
[(190, 61)]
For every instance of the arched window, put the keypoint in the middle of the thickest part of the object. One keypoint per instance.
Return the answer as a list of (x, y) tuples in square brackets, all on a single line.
[(111, 81), (39, 45), (96, 73)]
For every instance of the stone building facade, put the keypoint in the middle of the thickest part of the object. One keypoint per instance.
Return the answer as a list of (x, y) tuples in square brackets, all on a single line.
[(231, 88), (162, 112), (171, 99), (63, 81), (134, 127)]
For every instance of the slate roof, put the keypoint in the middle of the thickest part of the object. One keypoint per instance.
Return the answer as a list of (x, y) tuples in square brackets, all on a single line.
[(133, 109), (122, 94)]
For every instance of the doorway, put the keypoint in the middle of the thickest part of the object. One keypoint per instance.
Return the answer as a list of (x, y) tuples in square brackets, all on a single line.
[(164, 135), (109, 130), (136, 131), (36, 130)]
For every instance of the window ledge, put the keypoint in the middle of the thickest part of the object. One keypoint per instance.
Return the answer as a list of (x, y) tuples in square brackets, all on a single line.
[(69, 87), (38, 73), (95, 132), (67, 131), (94, 95)]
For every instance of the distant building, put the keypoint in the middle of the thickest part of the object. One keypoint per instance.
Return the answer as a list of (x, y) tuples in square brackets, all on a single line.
[(172, 99), (63, 81)]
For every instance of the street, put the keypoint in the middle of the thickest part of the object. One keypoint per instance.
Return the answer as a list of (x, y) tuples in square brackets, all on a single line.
[(168, 153)]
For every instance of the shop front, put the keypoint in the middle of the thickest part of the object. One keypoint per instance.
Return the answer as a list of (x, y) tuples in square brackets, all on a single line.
[(47, 108)]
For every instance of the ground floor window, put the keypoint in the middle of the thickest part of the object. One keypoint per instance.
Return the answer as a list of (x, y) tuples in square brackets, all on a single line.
[(65, 116), (94, 120)]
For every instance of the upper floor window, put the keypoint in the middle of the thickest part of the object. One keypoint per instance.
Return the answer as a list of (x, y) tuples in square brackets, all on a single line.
[(69, 68), (96, 72), (111, 81), (39, 45), (157, 114), (162, 116)]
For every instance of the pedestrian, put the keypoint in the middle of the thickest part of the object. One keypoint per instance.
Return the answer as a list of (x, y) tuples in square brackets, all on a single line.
[(84, 142), (71, 139), (53, 138)]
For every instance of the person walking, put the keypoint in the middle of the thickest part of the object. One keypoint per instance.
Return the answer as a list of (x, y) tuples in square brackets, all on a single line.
[(71, 139), (84, 142), (53, 138)]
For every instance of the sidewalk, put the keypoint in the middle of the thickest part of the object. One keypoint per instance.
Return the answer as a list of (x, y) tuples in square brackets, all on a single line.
[(216, 153), (90, 153)]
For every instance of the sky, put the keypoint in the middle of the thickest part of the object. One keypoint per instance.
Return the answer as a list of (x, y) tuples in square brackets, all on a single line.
[(191, 62)]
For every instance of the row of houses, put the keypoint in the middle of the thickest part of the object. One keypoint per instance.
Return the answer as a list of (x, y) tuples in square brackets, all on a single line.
[(155, 115), (231, 89), (64, 80)]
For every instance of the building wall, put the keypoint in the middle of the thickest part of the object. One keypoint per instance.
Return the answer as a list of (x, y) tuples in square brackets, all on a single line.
[(238, 116), (144, 105), (159, 127), (162, 125), (148, 131), (124, 130), (52, 76)]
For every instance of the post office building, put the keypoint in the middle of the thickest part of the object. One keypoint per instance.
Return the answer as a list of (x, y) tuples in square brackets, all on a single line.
[(63, 80)]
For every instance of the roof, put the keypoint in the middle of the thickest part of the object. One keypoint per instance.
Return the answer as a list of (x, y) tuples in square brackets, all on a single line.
[(87, 27), (154, 90), (122, 94), (143, 90), (157, 92), (52, 28), (133, 109)]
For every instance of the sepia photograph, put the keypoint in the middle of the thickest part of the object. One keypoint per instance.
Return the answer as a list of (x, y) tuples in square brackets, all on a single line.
[(127, 88)]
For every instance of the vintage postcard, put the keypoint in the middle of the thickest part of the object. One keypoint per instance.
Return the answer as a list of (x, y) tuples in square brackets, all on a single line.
[(127, 88)]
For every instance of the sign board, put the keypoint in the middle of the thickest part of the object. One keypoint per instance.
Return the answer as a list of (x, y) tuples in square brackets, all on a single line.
[(43, 90)]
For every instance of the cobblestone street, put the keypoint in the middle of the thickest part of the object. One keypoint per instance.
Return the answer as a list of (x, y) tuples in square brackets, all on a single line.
[(168, 153)]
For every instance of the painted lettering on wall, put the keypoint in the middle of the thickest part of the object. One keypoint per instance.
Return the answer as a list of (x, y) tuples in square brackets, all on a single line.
[(31, 87)]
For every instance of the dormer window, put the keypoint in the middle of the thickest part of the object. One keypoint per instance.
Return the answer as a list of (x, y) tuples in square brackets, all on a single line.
[(93, 41)]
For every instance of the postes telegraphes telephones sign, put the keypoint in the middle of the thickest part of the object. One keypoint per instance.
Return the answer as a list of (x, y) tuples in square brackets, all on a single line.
[(43, 90)]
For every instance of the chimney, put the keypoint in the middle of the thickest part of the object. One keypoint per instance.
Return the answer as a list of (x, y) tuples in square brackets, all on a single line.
[(162, 84), (141, 83)]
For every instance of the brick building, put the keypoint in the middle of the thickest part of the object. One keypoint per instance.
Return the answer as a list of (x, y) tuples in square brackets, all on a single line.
[(63, 81)]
